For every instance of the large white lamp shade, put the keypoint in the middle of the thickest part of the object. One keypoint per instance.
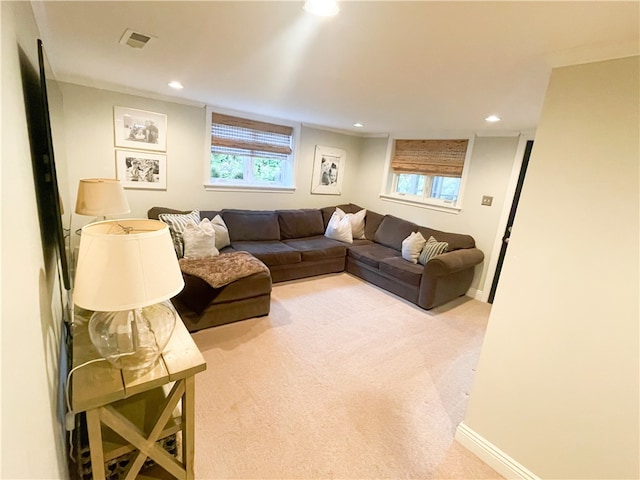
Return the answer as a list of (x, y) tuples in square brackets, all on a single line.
[(126, 269)]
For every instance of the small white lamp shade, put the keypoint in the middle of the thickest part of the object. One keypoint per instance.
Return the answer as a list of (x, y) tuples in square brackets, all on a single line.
[(126, 269), (101, 197)]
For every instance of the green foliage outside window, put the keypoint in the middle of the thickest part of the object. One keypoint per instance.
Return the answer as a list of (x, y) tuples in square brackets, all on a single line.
[(266, 169), (443, 188), (410, 184), (232, 167)]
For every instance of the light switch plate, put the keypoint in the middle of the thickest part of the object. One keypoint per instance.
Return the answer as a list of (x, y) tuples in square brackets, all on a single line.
[(487, 200)]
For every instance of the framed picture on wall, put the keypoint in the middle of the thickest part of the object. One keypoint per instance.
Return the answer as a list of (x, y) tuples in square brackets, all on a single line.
[(139, 129), (328, 170), (141, 169)]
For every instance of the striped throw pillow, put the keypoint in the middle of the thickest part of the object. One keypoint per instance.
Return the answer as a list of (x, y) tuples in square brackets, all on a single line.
[(176, 223), (431, 249)]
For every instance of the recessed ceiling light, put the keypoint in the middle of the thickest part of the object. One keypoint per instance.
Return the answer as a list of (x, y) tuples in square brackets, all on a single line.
[(322, 8), (175, 84), (358, 125), (492, 118)]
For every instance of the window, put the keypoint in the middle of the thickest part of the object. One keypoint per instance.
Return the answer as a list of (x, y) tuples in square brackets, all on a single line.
[(249, 153), (427, 171), (441, 188)]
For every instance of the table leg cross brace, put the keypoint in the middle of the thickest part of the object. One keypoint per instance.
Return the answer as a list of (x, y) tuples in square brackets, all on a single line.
[(147, 446)]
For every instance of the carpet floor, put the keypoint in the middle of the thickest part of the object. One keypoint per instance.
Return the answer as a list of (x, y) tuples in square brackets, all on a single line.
[(340, 380)]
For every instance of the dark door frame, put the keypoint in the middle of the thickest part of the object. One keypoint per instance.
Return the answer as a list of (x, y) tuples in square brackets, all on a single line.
[(508, 214)]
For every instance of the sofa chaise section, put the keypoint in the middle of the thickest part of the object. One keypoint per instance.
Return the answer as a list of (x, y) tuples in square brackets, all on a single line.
[(202, 306)]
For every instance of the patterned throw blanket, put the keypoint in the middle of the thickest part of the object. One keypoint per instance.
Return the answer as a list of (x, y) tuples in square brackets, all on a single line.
[(223, 269)]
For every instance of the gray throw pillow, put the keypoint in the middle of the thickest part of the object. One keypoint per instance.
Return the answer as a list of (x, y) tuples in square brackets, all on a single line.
[(431, 249), (176, 223)]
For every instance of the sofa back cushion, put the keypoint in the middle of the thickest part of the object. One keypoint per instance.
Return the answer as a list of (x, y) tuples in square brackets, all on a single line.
[(393, 230), (251, 225), (210, 214), (346, 208), (301, 223), (153, 212), (371, 223), (456, 241)]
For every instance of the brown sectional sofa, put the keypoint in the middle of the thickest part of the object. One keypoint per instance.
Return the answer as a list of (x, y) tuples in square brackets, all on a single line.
[(291, 243)]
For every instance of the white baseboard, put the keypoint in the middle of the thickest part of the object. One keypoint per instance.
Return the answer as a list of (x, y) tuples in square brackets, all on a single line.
[(492, 455), (475, 293)]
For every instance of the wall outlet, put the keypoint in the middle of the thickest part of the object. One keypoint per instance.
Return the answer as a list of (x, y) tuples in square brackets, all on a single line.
[(487, 200)]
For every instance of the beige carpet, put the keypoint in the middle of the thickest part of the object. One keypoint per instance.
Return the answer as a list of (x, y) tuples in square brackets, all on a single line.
[(341, 380)]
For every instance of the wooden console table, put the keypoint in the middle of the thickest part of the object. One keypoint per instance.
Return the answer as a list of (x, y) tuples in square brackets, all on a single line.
[(99, 387)]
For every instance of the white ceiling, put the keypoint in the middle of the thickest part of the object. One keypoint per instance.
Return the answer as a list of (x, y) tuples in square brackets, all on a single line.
[(396, 67)]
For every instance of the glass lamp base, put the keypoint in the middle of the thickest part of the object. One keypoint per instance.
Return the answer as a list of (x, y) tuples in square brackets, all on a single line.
[(132, 339)]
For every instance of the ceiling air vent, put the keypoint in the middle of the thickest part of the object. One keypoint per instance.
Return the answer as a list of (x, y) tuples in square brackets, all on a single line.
[(134, 39)]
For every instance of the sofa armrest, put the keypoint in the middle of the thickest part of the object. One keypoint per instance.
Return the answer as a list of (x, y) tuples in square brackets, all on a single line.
[(452, 262)]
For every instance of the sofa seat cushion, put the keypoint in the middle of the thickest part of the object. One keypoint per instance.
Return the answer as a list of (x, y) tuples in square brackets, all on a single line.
[(317, 248), (361, 241), (403, 270), (372, 254), (270, 253)]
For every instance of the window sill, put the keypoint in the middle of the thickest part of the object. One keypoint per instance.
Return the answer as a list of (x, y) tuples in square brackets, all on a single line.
[(248, 188), (418, 203)]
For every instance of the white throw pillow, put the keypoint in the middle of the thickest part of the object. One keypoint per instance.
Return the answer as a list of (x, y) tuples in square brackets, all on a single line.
[(199, 240), (412, 246), (357, 222), (222, 232), (339, 228)]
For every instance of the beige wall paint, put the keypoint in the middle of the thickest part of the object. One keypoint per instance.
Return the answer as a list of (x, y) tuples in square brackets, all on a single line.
[(557, 383), (32, 442), (91, 153), (490, 167)]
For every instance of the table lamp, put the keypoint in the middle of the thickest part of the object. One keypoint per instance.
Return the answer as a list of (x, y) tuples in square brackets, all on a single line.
[(127, 270), (101, 197)]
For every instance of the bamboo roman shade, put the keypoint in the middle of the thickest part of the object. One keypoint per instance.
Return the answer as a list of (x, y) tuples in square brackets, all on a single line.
[(440, 158), (229, 133)]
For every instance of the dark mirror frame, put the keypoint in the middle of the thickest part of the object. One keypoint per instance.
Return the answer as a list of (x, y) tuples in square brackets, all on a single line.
[(43, 160)]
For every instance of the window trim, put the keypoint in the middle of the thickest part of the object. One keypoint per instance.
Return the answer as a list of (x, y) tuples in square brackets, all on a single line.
[(235, 187), (387, 192)]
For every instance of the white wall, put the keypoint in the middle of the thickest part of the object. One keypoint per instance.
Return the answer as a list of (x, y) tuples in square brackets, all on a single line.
[(557, 384), (490, 167), (32, 444), (91, 153)]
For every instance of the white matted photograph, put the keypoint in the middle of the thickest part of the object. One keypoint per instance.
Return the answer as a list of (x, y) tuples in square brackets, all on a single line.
[(328, 170), (139, 129), (141, 170)]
